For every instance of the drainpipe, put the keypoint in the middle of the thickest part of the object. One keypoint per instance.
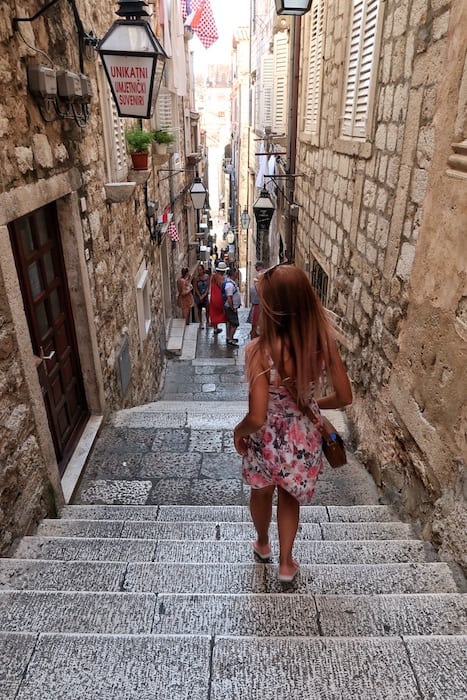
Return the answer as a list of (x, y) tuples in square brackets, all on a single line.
[(294, 61)]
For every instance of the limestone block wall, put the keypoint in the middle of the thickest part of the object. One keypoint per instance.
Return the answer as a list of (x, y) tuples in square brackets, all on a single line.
[(105, 246), (387, 224)]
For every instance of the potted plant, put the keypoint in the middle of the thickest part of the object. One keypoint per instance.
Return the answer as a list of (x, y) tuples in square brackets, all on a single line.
[(162, 139), (138, 146)]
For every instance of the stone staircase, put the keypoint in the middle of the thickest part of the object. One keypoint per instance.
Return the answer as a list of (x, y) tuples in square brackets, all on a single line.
[(167, 603)]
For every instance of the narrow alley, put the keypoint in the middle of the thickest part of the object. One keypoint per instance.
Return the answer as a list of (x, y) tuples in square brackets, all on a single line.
[(146, 587)]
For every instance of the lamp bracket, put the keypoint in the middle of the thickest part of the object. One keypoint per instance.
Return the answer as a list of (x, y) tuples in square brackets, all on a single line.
[(274, 178)]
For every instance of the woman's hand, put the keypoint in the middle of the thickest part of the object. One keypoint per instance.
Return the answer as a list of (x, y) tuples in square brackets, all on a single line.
[(240, 443)]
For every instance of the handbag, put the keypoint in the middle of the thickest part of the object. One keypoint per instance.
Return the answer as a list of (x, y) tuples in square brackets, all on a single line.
[(331, 442)]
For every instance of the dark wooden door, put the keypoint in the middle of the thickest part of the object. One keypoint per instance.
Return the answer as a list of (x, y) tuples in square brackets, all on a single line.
[(39, 260)]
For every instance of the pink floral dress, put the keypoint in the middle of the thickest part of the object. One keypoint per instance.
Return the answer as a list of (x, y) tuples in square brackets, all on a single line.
[(286, 450)]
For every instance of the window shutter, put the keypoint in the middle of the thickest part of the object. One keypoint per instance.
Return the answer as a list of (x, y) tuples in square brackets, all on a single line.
[(315, 51), (166, 113), (118, 145), (360, 68), (280, 101), (265, 98)]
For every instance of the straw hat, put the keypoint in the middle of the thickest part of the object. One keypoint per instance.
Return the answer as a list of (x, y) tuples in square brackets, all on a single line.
[(221, 267)]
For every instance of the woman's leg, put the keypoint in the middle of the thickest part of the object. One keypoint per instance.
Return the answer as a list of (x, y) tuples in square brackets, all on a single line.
[(261, 512), (288, 511), (187, 313)]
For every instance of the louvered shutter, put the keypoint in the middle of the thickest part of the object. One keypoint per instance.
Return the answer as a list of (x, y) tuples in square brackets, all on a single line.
[(280, 101), (118, 143), (315, 50), (265, 101), (360, 68), (165, 113)]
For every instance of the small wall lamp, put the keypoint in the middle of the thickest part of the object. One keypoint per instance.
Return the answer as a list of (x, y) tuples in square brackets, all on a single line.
[(293, 7)]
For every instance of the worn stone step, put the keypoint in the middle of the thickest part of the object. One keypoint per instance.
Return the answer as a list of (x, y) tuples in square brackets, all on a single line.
[(272, 614), (218, 551), (173, 530), (151, 577), (78, 612), (226, 513), (75, 667), (192, 530), (289, 614)]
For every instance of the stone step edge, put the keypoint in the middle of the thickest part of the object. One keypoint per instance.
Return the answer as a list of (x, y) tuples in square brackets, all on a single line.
[(37, 539), (377, 597)]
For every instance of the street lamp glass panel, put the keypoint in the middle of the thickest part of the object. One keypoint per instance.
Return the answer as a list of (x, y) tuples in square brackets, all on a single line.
[(198, 193), (293, 7)]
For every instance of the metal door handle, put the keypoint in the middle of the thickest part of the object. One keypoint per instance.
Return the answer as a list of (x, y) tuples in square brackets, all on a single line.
[(47, 357)]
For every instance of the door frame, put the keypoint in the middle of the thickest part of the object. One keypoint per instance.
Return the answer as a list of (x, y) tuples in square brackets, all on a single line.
[(70, 211)]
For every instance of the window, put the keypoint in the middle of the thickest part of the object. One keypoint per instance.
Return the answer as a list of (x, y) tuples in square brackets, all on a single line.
[(319, 281), (143, 302), (114, 132), (361, 70), (313, 56)]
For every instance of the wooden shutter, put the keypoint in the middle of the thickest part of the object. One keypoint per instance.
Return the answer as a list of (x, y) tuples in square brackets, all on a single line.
[(280, 92), (118, 143), (114, 131), (315, 61), (361, 68), (265, 97)]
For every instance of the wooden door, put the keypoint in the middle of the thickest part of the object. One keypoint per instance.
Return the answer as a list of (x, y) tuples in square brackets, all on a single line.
[(39, 260)]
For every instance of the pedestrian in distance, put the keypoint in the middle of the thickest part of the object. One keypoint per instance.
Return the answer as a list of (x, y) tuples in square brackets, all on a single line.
[(201, 293), (232, 302), (253, 316), (280, 445), (185, 299), (216, 305)]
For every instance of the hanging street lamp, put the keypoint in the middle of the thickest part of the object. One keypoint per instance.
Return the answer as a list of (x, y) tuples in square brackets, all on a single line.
[(293, 7), (245, 220), (263, 209), (134, 61), (198, 193)]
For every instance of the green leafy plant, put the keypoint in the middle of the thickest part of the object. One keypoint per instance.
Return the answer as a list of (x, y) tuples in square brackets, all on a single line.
[(138, 140), (163, 136)]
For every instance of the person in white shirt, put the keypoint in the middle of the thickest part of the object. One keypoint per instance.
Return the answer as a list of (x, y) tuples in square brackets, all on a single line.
[(232, 303)]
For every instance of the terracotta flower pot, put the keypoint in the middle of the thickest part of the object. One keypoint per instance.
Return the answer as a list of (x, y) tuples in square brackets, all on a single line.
[(139, 161)]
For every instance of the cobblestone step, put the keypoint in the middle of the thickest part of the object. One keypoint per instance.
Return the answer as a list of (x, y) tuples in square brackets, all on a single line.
[(275, 615), (181, 667), (218, 551), (151, 577)]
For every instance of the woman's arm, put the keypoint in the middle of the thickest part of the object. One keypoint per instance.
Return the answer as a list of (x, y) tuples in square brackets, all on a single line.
[(258, 399), (342, 395)]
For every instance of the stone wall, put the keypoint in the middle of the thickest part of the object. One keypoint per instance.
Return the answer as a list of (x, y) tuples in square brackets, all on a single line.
[(388, 226), (104, 247)]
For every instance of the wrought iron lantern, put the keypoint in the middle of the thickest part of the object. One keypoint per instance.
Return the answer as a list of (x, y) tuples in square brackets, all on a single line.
[(245, 219), (198, 193), (263, 209), (134, 61)]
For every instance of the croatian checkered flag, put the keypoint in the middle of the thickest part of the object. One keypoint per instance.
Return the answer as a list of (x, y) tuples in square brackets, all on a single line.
[(173, 233), (198, 15)]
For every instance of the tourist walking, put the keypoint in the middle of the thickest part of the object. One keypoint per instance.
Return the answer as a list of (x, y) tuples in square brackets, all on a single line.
[(280, 445), (216, 304), (201, 293), (232, 302), (253, 316), (185, 299)]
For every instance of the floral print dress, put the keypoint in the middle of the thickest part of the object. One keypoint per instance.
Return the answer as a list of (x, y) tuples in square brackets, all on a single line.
[(286, 450)]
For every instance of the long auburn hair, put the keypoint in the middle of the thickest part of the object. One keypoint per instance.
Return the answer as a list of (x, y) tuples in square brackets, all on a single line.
[(292, 314)]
